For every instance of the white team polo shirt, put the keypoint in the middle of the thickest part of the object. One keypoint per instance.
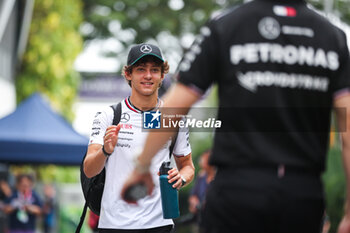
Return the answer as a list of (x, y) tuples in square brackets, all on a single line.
[(115, 212)]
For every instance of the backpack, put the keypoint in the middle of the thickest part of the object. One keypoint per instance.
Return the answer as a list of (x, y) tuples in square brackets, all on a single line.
[(93, 187)]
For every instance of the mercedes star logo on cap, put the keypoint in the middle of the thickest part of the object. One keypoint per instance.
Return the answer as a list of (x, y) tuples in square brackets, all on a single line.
[(146, 48)]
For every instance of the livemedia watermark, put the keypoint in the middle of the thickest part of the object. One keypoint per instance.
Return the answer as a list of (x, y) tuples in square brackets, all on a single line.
[(245, 119)]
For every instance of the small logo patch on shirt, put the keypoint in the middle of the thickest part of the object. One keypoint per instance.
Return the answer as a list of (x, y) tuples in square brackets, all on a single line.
[(285, 11)]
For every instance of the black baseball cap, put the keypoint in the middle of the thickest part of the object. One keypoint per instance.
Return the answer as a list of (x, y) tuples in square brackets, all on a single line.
[(141, 50)]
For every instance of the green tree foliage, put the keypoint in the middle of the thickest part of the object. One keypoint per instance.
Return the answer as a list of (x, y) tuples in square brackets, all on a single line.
[(49, 173), (339, 8), (53, 44), (170, 23), (148, 18)]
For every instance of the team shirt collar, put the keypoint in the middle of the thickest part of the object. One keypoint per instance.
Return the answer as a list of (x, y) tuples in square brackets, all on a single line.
[(135, 109)]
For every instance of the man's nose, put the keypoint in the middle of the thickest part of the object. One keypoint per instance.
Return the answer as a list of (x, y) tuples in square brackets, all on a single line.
[(148, 74)]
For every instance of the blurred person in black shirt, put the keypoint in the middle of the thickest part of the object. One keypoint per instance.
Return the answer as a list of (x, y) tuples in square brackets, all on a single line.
[(280, 68)]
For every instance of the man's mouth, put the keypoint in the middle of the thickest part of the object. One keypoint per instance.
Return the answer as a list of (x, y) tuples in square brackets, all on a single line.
[(147, 83)]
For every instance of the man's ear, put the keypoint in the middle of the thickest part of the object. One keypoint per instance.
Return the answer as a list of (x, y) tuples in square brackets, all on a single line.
[(127, 75)]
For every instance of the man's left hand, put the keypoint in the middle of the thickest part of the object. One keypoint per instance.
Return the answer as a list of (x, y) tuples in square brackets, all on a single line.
[(175, 176)]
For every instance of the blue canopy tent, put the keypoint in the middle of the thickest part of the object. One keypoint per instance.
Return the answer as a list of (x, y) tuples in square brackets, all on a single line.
[(34, 134)]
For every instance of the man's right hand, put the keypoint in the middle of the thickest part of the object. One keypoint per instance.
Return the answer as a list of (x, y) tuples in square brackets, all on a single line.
[(95, 158), (111, 137)]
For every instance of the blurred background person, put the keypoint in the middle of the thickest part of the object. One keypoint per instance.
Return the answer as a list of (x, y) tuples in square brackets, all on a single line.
[(197, 194), (49, 208), (199, 190), (23, 206), (5, 192)]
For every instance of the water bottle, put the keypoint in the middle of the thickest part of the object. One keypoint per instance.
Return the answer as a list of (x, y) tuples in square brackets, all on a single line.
[(169, 195)]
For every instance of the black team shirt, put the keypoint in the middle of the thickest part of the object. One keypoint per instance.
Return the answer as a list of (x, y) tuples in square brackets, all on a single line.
[(278, 66)]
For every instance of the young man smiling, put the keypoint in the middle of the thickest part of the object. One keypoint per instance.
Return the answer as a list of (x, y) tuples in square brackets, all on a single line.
[(114, 147)]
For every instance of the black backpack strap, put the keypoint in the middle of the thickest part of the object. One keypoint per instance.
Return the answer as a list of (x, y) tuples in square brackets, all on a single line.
[(172, 145), (82, 217), (83, 214), (117, 108)]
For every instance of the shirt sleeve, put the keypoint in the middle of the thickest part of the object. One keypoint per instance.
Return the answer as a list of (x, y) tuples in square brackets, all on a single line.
[(342, 84), (199, 66), (182, 145), (100, 123)]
